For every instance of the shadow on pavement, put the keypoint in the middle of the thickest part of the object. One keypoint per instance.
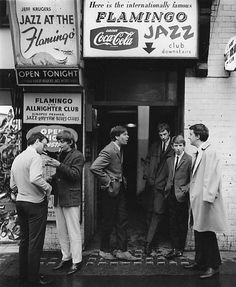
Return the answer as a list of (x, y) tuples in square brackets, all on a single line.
[(131, 281)]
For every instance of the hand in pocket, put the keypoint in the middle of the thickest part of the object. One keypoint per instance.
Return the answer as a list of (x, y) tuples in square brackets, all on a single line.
[(114, 188)]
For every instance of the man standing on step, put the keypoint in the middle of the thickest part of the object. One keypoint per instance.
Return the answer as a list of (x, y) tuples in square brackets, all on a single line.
[(177, 194), (155, 173), (108, 169)]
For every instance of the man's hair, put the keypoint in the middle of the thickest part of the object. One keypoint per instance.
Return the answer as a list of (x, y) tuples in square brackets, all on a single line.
[(66, 136), (117, 131), (162, 127), (179, 139), (36, 136), (200, 130)]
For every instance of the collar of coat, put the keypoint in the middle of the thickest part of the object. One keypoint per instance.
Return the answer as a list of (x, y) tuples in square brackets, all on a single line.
[(203, 147), (67, 154)]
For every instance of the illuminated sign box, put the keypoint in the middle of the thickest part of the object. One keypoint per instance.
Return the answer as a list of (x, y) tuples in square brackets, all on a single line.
[(141, 29)]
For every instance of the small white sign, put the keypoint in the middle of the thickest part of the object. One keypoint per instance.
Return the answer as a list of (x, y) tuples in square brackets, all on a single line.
[(51, 211), (51, 108), (230, 55), (153, 29)]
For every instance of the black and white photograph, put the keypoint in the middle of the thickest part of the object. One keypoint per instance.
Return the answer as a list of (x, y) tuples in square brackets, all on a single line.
[(117, 133)]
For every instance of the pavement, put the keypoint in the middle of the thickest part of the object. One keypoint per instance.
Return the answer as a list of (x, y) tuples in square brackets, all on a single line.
[(94, 265), (149, 271)]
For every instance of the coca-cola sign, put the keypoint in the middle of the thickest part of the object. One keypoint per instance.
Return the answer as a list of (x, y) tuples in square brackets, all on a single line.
[(114, 38)]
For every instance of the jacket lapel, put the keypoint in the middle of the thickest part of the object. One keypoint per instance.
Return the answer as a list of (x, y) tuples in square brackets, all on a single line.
[(182, 160), (172, 162), (67, 156), (115, 149), (205, 145)]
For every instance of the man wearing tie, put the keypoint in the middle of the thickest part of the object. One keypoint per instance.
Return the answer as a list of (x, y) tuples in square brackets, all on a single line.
[(206, 203), (155, 174), (177, 194), (108, 169)]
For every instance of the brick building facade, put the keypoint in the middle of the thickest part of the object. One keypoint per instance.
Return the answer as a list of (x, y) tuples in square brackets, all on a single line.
[(212, 101)]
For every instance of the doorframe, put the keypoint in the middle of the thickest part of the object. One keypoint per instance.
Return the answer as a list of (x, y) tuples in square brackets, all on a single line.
[(91, 223)]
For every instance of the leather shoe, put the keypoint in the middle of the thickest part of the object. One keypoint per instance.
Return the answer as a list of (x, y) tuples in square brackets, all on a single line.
[(62, 264), (125, 255), (209, 273), (106, 255), (173, 253), (147, 249), (42, 281), (74, 268), (195, 267)]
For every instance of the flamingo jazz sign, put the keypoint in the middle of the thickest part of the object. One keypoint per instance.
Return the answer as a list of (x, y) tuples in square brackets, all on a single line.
[(141, 28)]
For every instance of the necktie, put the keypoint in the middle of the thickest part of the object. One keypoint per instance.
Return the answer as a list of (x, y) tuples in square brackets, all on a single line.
[(177, 162), (163, 147), (175, 167), (195, 161)]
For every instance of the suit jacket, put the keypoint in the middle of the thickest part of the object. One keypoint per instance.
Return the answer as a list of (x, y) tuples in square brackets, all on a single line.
[(108, 168), (67, 180), (206, 192), (155, 171), (180, 180)]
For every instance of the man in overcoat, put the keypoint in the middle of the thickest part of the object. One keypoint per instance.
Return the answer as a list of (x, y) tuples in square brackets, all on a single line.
[(155, 174), (206, 202)]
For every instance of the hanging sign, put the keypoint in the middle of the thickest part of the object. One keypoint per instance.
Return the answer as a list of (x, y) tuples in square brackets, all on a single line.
[(45, 35), (52, 108), (149, 29), (44, 32), (230, 55)]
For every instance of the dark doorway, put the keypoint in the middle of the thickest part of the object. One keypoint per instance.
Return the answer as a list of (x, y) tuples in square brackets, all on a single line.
[(167, 115), (108, 117)]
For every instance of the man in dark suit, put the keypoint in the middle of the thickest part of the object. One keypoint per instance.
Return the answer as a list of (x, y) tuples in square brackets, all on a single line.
[(177, 194), (67, 201), (108, 169), (155, 173)]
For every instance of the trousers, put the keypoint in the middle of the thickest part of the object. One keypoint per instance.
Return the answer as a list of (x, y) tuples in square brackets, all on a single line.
[(69, 233), (114, 215), (178, 221), (206, 249), (32, 220)]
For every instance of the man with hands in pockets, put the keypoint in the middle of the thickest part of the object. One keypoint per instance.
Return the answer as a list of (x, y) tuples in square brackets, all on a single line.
[(108, 169)]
